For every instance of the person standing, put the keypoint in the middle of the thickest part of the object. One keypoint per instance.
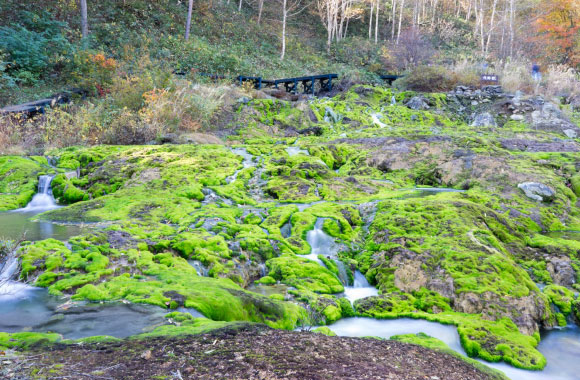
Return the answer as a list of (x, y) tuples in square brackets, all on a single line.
[(536, 74)]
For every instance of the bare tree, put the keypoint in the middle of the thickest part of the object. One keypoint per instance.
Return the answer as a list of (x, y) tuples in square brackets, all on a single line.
[(260, 9), (412, 49), (84, 21), (290, 8), (188, 22)]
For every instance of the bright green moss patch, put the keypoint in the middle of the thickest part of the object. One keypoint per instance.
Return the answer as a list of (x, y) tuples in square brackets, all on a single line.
[(18, 180), (561, 297), (304, 274), (25, 340)]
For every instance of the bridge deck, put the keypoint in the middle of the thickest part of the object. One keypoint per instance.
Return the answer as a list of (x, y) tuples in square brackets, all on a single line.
[(291, 84)]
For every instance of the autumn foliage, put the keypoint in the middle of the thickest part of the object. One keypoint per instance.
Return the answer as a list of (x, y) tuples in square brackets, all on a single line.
[(558, 31)]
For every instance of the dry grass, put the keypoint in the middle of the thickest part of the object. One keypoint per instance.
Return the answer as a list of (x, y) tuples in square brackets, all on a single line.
[(183, 108)]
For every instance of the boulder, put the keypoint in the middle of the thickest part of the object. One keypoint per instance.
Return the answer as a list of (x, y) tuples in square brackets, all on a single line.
[(417, 103), (561, 271), (550, 118), (484, 119), (538, 191), (570, 133)]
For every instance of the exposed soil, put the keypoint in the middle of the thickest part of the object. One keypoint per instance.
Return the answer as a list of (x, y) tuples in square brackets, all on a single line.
[(242, 352)]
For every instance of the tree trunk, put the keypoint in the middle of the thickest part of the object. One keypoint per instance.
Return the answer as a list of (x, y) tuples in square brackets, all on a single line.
[(394, 19), (400, 20), (371, 20), (188, 23), (84, 21), (377, 24), (261, 7), (240, 6), (284, 15)]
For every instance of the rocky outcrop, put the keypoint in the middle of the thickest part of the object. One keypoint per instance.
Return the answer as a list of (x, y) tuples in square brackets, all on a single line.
[(561, 271), (538, 191), (417, 103), (484, 119), (540, 146), (550, 118)]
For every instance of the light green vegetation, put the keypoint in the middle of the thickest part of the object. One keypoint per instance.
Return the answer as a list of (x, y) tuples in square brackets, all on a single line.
[(471, 259), (19, 180)]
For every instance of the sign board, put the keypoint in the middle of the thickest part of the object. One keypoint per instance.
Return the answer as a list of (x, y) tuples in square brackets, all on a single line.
[(489, 78)]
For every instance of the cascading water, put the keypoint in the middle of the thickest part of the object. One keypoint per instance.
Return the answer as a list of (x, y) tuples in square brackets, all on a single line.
[(360, 289), (320, 243), (247, 162), (43, 200)]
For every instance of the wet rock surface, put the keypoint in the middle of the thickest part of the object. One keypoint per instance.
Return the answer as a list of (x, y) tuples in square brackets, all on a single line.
[(246, 352)]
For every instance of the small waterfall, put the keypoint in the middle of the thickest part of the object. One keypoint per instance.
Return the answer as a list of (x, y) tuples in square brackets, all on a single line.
[(9, 287), (393, 100), (320, 243), (43, 200), (200, 269), (360, 289), (286, 229)]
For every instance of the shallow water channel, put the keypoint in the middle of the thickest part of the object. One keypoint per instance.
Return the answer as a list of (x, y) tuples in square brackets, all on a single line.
[(560, 346)]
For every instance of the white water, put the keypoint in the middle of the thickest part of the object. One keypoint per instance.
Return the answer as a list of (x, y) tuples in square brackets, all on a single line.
[(560, 347), (43, 200), (360, 289), (376, 120), (294, 150), (247, 162), (320, 243)]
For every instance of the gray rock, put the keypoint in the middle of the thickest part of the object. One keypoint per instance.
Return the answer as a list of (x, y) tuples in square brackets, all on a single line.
[(561, 271), (517, 117), (550, 118), (538, 191), (484, 120), (571, 133), (417, 103)]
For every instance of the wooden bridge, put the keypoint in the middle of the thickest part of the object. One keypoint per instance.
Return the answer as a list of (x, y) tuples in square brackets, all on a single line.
[(292, 84), (389, 78)]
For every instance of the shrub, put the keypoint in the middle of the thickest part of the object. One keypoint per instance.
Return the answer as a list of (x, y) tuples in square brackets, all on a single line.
[(517, 76), (561, 81), (428, 79), (34, 46), (93, 71)]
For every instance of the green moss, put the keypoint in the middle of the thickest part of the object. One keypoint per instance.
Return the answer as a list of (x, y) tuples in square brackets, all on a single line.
[(324, 330), (561, 297), (25, 340), (18, 180), (303, 274)]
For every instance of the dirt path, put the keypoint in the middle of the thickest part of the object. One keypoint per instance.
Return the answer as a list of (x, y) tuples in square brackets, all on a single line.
[(249, 352)]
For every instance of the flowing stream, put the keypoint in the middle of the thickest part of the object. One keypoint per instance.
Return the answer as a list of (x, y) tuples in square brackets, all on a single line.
[(560, 346), (27, 308), (17, 224)]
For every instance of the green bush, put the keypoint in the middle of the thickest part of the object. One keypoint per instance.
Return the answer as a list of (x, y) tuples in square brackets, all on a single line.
[(33, 46)]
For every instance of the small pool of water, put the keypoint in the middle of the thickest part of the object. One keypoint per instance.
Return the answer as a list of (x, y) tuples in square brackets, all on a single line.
[(28, 308), (16, 225), (568, 235)]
